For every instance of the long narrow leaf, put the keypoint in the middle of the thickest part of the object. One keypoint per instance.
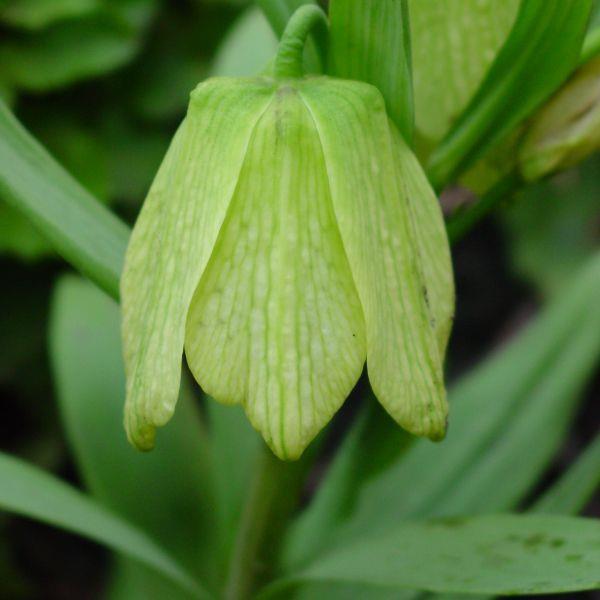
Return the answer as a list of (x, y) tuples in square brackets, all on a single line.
[(370, 41), (504, 554), (154, 489), (81, 229), (453, 46), (542, 49), (30, 492)]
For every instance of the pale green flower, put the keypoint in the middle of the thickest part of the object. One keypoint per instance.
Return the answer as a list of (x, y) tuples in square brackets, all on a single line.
[(289, 236), (567, 129)]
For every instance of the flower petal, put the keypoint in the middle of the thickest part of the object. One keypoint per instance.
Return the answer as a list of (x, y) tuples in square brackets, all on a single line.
[(430, 234), (276, 323), (172, 242), (374, 218)]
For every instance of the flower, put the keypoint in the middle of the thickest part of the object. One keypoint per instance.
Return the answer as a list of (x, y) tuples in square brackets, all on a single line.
[(289, 236)]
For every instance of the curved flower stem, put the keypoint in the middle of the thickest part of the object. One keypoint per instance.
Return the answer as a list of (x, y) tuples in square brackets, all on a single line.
[(289, 62), (278, 13), (272, 497)]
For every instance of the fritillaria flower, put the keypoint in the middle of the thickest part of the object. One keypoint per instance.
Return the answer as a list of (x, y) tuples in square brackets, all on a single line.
[(290, 235)]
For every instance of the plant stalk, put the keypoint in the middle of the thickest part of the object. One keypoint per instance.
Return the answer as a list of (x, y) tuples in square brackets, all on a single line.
[(272, 498), (289, 62)]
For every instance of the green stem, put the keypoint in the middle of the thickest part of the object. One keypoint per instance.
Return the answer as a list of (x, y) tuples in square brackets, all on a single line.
[(272, 498), (289, 62)]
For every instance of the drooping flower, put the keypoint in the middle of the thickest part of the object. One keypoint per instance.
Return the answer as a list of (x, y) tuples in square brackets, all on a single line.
[(289, 236)]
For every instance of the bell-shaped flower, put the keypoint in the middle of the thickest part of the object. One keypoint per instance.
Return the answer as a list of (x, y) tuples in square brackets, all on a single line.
[(290, 235)]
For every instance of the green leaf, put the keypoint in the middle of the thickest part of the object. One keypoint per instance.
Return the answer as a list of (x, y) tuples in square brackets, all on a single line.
[(453, 46), (77, 147), (32, 493), (546, 41), (150, 490), (234, 464), (370, 41), (247, 48), (83, 231), (573, 490), (504, 554), (506, 417), (36, 14), (66, 52), (130, 580), (18, 237)]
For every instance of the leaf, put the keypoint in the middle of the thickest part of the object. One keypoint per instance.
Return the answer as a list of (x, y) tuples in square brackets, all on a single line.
[(83, 231), (32, 493), (546, 41), (370, 41), (571, 492), (77, 146), (36, 14), (130, 580), (18, 237), (234, 452), (524, 395), (504, 554), (66, 52), (453, 46), (247, 48), (150, 490)]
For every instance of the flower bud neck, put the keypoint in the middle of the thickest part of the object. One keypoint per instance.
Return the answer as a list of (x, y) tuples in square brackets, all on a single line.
[(289, 60)]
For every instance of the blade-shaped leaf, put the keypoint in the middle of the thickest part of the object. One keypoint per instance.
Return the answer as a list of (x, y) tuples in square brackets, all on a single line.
[(504, 554), (66, 52), (453, 46), (81, 229), (542, 49), (247, 48), (370, 41), (30, 492), (36, 14), (151, 490)]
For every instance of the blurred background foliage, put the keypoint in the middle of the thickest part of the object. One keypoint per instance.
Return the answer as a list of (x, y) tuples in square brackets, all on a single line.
[(103, 84)]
